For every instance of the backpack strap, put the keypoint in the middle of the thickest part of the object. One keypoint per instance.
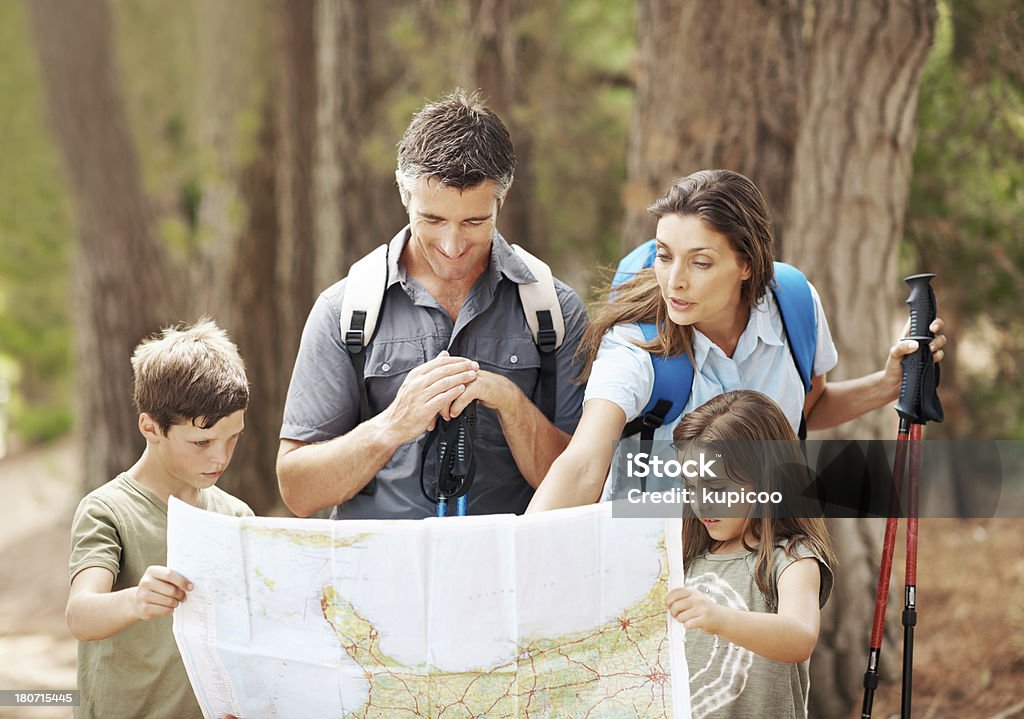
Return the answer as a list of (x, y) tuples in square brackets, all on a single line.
[(800, 322), (799, 319), (544, 316), (673, 376), (360, 310), (673, 380)]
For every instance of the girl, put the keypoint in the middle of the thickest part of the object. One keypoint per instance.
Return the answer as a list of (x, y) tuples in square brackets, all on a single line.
[(754, 585), (707, 294)]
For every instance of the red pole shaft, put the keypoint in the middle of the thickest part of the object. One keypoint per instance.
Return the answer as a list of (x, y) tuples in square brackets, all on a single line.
[(889, 543), (912, 502)]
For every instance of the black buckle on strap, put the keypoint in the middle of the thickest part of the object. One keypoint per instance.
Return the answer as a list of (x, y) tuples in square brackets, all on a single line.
[(354, 334), (656, 417)]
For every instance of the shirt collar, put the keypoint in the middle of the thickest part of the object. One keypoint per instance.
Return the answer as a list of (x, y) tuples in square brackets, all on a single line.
[(396, 272), (759, 327), (506, 261)]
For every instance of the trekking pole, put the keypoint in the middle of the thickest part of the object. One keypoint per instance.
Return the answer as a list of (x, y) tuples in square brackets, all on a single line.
[(885, 571), (456, 463), (910, 591), (918, 404)]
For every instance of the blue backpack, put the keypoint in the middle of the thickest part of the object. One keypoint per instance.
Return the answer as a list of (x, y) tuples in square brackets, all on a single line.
[(673, 376)]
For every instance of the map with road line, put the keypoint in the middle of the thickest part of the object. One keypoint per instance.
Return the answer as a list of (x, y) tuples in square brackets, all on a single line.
[(560, 614)]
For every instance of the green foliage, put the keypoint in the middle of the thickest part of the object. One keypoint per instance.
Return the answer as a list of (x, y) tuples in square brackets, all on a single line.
[(588, 97), (36, 236), (967, 201), (193, 127), (44, 423)]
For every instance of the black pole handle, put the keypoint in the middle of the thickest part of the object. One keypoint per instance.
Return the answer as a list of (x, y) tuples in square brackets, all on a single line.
[(919, 399)]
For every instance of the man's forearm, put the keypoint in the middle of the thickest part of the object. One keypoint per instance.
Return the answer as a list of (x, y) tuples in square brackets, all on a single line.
[(316, 476), (535, 442)]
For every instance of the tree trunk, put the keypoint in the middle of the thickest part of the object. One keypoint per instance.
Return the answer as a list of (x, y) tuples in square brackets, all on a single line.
[(296, 124), (254, 322), (717, 87), (357, 205), (235, 270), (258, 291), (327, 157), (117, 256), (851, 177), (824, 126), (505, 60), (851, 173)]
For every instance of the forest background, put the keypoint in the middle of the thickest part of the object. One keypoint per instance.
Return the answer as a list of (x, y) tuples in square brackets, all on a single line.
[(233, 158)]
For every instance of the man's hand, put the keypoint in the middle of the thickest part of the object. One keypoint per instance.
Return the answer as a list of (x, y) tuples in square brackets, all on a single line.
[(159, 592), (694, 610), (493, 390), (893, 371), (428, 390)]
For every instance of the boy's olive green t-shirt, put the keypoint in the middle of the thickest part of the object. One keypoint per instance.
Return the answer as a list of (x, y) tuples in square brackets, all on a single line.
[(138, 672)]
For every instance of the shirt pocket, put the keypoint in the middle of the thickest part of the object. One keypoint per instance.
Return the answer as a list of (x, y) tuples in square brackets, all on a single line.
[(388, 363), (516, 358)]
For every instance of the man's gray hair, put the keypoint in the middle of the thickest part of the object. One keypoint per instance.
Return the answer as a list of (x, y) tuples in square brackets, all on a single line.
[(460, 142)]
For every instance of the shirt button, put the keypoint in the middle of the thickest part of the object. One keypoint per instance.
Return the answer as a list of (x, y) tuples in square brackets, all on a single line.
[(385, 367), (513, 359)]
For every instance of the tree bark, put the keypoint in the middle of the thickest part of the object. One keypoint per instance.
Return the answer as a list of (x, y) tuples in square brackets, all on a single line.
[(296, 125), (717, 87), (851, 173), (117, 257), (816, 103), (505, 60), (356, 201), (851, 178)]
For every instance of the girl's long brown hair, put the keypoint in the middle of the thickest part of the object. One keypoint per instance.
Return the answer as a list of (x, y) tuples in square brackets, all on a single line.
[(735, 425), (727, 203)]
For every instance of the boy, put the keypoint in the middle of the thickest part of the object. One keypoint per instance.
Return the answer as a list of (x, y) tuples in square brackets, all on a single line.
[(191, 393)]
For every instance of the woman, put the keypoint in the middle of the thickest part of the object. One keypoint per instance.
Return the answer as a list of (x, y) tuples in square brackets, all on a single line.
[(708, 295)]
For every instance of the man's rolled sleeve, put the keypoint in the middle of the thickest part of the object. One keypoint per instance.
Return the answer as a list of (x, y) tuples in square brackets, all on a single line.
[(323, 397)]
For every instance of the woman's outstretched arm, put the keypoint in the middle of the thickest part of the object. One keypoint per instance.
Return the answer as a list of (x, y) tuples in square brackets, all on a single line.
[(577, 476)]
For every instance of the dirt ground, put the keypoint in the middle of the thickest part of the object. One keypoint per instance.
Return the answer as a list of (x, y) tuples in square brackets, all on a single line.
[(38, 494), (969, 640), (969, 653)]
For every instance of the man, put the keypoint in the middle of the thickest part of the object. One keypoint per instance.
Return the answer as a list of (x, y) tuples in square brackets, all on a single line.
[(451, 330)]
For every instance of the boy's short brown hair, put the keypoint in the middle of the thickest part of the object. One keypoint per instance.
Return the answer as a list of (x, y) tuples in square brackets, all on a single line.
[(189, 373)]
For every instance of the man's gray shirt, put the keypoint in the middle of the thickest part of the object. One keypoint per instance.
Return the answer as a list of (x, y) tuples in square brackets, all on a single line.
[(491, 328)]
